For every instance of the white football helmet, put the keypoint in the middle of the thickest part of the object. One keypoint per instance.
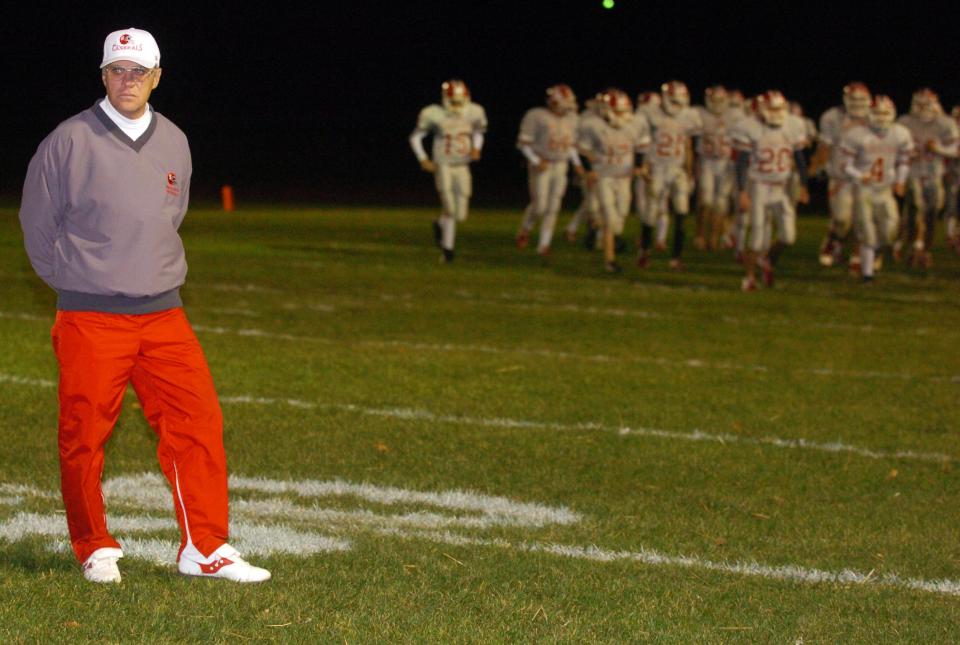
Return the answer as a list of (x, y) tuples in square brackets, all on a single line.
[(856, 99), (924, 104), (561, 99), (617, 108), (455, 95), (773, 108), (675, 95), (716, 99), (883, 112)]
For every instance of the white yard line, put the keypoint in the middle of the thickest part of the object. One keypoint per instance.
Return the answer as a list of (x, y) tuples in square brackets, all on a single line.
[(696, 435), (787, 573), (694, 363)]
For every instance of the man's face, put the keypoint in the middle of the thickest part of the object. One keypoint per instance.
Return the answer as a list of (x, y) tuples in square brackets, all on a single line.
[(129, 86)]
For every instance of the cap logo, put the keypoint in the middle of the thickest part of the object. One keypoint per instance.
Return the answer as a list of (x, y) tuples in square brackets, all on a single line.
[(124, 39)]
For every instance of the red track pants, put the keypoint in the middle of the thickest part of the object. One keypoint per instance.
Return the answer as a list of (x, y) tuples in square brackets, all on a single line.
[(99, 353)]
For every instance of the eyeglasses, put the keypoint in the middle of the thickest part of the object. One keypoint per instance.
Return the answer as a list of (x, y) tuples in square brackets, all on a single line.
[(137, 73)]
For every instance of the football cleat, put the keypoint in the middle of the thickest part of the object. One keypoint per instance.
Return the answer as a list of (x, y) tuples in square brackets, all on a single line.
[(523, 238), (612, 267), (544, 252), (748, 284), (676, 264), (643, 259), (224, 563), (447, 256), (854, 265), (866, 280), (101, 566)]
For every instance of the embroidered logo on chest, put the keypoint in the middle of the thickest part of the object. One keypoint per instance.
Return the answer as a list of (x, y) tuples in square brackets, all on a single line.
[(173, 188)]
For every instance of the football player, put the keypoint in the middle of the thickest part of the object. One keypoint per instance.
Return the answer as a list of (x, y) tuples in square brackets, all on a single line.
[(935, 137), (952, 179), (833, 123), (715, 173), (611, 145), (546, 139), (877, 161), (671, 170), (767, 152), (457, 126), (647, 102), (589, 210)]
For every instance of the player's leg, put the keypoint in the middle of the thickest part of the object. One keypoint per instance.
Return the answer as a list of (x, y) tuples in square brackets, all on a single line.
[(721, 214), (96, 353), (176, 391), (530, 212), (706, 205), (606, 195), (754, 228), (556, 188), (649, 216), (447, 224), (680, 200)]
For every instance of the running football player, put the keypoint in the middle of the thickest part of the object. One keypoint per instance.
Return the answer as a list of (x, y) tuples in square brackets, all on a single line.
[(833, 123), (877, 161), (767, 152), (671, 171), (457, 126), (611, 145), (546, 139)]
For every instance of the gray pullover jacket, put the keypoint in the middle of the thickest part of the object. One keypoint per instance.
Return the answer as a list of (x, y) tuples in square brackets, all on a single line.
[(100, 214)]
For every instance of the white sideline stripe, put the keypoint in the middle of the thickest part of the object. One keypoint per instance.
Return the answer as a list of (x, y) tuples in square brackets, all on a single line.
[(149, 491), (788, 573), (693, 435), (19, 380), (20, 316), (593, 358), (552, 354), (408, 414)]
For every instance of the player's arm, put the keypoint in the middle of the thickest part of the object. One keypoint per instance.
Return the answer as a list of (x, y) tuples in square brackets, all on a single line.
[(574, 158), (41, 211), (477, 145), (904, 154), (416, 144)]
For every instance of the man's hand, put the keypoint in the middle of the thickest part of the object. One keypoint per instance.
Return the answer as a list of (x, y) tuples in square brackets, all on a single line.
[(592, 178), (900, 189), (474, 155), (428, 166), (804, 196), (542, 165), (744, 201)]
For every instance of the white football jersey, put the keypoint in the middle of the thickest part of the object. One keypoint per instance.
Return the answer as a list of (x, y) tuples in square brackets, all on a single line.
[(714, 142), (833, 123), (942, 130), (670, 134), (771, 149), (550, 135), (452, 133), (611, 150), (878, 154)]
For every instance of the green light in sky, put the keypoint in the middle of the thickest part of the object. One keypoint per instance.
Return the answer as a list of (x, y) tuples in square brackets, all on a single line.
[(608, 4)]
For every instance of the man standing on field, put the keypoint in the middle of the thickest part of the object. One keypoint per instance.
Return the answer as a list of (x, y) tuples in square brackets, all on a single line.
[(103, 198)]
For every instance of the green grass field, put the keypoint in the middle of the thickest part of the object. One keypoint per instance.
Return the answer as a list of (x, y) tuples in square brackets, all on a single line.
[(504, 451)]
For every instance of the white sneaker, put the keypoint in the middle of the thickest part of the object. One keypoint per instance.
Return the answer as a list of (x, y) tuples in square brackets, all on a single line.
[(101, 566), (225, 563)]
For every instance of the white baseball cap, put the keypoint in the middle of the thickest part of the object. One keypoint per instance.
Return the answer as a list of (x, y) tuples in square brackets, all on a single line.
[(131, 44)]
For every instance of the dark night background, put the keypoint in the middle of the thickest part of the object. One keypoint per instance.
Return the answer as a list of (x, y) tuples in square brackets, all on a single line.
[(314, 103)]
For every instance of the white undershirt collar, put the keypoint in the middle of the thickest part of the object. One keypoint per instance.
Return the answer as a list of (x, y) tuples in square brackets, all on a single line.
[(133, 128)]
